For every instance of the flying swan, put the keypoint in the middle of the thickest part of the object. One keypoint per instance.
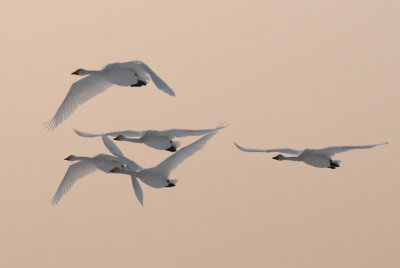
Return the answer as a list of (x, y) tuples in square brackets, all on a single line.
[(320, 158), (158, 176), (161, 140), (133, 73), (85, 166)]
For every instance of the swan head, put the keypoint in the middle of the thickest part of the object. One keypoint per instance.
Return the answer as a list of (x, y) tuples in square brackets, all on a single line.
[(80, 71), (116, 170), (278, 157), (119, 137), (70, 158)]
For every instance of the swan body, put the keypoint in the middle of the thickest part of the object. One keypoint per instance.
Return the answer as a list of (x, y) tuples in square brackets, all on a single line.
[(85, 166), (133, 73), (158, 176), (320, 158), (160, 140)]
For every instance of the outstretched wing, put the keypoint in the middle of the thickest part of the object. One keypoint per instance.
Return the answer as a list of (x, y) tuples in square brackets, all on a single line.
[(138, 189), (74, 173), (80, 92), (156, 79), (132, 166), (113, 148), (330, 151), (169, 164), (188, 132), (126, 133), (282, 150)]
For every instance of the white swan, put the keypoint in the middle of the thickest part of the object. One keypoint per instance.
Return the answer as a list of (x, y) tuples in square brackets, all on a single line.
[(320, 158), (85, 166), (158, 176), (161, 140), (133, 73)]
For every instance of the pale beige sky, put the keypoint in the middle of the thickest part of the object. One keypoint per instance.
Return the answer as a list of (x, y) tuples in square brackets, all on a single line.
[(301, 74)]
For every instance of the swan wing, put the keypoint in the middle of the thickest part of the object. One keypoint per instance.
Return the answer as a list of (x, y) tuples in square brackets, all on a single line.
[(138, 189), (113, 148), (282, 150), (126, 133), (86, 134), (80, 92), (156, 79), (188, 132), (170, 163), (330, 151), (75, 172)]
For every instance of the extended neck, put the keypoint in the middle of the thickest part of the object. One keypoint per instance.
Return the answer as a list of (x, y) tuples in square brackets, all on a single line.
[(290, 158), (139, 140), (127, 172), (79, 158), (93, 72)]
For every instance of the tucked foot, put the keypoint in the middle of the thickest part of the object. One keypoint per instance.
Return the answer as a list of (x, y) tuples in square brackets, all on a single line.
[(139, 84), (333, 164), (171, 149), (170, 184)]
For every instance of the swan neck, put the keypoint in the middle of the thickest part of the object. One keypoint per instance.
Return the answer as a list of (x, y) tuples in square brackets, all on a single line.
[(127, 172), (139, 140), (93, 72), (80, 158), (291, 158)]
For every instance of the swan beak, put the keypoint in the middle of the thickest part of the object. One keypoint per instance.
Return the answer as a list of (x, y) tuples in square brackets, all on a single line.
[(276, 157), (118, 138), (76, 72), (114, 170), (68, 158)]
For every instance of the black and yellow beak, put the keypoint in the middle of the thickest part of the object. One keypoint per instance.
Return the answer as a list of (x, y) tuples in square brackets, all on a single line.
[(76, 72), (118, 138), (114, 170), (276, 157)]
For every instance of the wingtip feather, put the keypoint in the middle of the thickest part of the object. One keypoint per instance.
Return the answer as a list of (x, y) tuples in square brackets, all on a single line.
[(54, 201), (50, 125)]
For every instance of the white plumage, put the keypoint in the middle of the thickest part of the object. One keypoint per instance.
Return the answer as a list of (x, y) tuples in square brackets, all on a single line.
[(85, 166), (320, 158), (157, 139), (158, 176), (133, 73)]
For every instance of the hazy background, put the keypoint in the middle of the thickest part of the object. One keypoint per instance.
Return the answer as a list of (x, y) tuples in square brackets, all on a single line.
[(300, 74)]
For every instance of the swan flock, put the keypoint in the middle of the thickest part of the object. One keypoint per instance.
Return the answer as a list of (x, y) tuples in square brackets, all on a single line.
[(138, 74), (156, 177)]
